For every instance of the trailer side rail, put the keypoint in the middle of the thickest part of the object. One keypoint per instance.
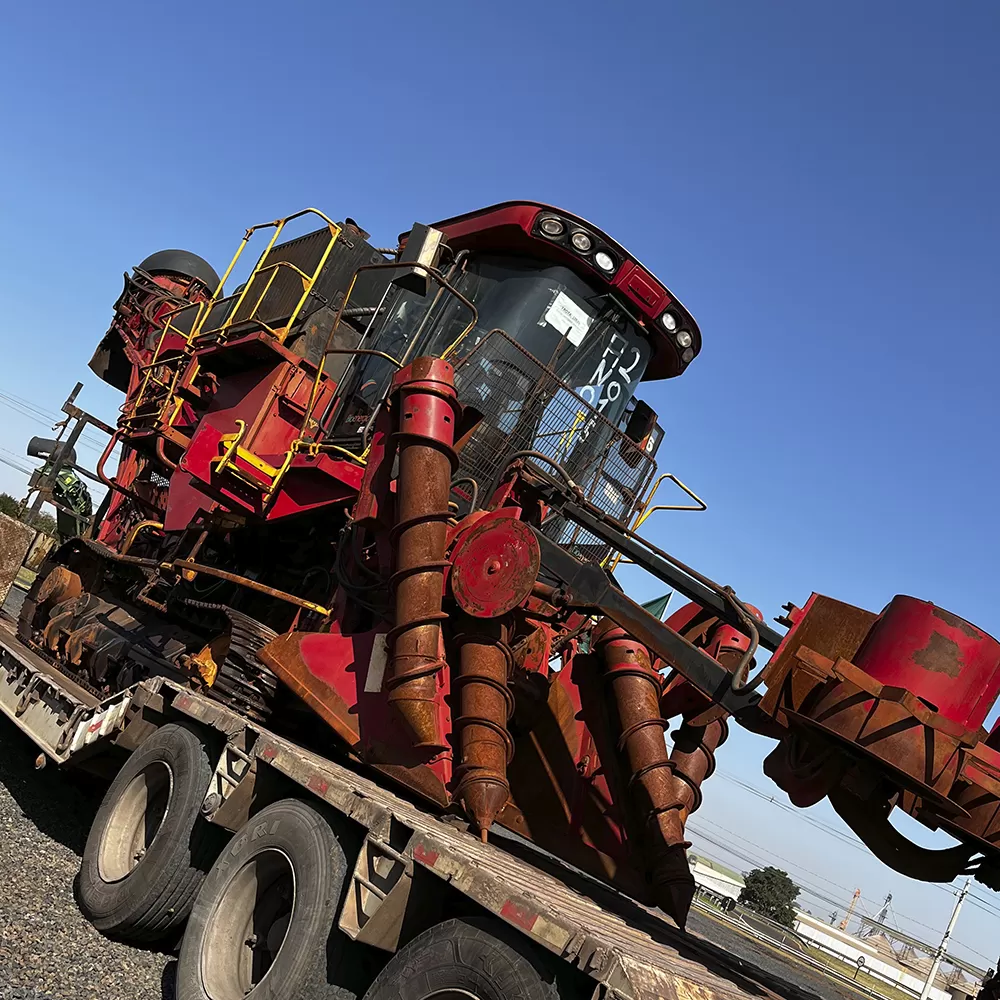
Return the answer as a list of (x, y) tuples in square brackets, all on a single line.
[(624, 961)]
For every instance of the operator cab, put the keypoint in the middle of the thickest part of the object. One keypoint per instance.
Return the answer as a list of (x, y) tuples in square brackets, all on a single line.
[(550, 325), (610, 275)]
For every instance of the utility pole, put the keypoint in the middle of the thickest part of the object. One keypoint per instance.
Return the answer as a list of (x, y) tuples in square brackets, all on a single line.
[(943, 946)]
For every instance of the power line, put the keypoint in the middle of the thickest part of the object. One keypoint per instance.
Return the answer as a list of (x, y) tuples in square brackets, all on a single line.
[(27, 404), (24, 411), (88, 441), (832, 901), (42, 414), (753, 857), (15, 465), (767, 796), (767, 850), (978, 903), (794, 811)]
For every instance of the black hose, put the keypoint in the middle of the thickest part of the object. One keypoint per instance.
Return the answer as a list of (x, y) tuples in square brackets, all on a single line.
[(474, 500), (545, 458)]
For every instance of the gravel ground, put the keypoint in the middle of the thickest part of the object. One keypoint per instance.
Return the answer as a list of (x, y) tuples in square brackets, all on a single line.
[(47, 948)]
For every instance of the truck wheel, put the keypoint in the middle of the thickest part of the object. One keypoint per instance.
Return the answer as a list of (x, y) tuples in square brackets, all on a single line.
[(473, 959), (148, 850), (264, 924)]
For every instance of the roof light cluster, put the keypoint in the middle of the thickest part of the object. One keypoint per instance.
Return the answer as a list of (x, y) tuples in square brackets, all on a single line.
[(682, 338), (522, 227), (579, 240)]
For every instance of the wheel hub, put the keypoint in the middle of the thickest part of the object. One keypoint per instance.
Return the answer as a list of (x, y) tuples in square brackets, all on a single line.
[(135, 822)]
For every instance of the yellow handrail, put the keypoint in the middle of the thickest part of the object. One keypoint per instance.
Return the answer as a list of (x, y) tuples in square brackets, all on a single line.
[(646, 510), (699, 504), (261, 267), (204, 309), (434, 275)]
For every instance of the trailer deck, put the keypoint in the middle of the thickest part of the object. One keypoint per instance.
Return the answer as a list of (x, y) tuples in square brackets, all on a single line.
[(627, 951)]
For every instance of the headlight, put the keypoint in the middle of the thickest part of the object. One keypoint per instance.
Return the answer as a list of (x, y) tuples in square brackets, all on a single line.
[(604, 261), (683, 339), (687, 355), (581, 242), (669, 321), (552, 227)]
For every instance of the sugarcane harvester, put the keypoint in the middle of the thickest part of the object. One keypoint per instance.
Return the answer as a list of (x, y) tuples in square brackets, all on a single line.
[(376, 498)]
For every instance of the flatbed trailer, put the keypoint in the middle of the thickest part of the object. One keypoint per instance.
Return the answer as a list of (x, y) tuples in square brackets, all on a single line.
[(619, 949)]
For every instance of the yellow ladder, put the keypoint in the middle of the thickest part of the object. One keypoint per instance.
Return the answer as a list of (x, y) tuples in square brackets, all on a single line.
[(267, 478)]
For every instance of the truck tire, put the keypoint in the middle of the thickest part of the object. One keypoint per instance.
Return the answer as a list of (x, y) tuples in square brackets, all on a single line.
[(264, 924), (148, 850), (478, 958)]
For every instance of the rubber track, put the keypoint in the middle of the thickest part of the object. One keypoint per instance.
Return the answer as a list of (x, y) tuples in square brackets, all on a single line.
[(243, 682)]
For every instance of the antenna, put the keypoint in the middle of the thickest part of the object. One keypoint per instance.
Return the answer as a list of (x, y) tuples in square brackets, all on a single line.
[(880, 917)]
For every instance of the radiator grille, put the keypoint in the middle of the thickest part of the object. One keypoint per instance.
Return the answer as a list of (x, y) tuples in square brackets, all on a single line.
[(278, 291)]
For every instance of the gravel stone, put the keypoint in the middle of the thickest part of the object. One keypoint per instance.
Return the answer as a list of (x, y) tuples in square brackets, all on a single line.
[(48, 950)]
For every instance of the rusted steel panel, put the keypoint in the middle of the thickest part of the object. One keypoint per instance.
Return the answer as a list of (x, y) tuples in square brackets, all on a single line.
[(428, 415), (635, 690), (40, 548), (485, 705)]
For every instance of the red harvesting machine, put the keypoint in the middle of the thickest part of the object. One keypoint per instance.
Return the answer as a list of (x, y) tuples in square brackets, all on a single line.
[(376, 499)]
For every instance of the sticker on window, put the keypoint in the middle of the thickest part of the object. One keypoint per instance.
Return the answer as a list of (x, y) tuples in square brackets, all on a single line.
[(568, 318)]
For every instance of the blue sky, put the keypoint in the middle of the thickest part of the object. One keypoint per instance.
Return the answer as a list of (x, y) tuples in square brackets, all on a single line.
[(817, 183)]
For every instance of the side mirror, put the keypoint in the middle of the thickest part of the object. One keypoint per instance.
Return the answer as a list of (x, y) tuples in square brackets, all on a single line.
[(423, 245), (641, 427), (45, 448), (640, 422)]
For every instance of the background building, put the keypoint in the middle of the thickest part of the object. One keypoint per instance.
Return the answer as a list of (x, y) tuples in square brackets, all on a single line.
[(881, 958), (714, 880)]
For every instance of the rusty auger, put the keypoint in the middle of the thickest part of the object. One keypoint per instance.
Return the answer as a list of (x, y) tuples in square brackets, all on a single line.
[(635, 689), (485, 706), (427, 413)]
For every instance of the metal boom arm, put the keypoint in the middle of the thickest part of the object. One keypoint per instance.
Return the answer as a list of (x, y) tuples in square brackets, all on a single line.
[(588, 586)]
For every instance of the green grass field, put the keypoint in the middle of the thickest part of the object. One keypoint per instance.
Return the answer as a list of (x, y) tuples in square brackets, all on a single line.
[(864, 980)]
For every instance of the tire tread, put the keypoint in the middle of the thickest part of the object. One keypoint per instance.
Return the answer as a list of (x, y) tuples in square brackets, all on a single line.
[(479, 946), (307, 834), (117, 910)]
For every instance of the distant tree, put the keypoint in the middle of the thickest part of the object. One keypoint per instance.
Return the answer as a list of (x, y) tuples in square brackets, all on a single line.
[(770, 892), (12, 508), (45, 523)]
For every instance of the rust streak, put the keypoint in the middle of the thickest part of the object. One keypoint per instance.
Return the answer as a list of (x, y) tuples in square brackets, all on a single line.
[(941, 655)]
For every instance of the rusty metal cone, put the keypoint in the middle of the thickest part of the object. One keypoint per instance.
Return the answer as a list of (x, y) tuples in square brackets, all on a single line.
[(482, 802), (674, 884)]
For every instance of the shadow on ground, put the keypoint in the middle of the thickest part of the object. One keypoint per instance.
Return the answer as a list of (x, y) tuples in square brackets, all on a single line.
[(60, 803)]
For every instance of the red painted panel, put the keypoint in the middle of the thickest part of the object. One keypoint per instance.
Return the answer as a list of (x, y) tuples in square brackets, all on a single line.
[(941, 658), (342, 662), (519, 915), (425, 857)]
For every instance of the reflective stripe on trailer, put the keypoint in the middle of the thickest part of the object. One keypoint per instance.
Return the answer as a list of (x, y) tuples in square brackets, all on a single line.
[(514, 909), (98, 725)]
